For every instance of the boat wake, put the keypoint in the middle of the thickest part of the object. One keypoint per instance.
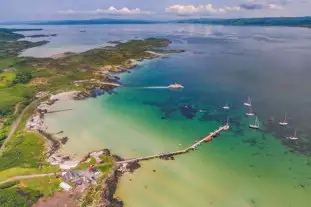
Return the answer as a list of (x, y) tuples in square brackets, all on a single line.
[(157, 87)]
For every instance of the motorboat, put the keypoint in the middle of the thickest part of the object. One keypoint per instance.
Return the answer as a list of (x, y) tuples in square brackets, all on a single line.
[(175, 86)]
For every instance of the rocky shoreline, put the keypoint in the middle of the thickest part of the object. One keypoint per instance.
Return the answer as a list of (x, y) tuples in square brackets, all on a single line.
[(54, 144), (111, 182), (92, 88)]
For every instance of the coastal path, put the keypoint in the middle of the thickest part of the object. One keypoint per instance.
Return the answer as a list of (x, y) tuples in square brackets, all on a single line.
[(98, 82), (23, 177), (14, 126), (208, 138)]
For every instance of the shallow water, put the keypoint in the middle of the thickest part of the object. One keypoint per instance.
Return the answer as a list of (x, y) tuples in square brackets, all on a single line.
[(241, 167)]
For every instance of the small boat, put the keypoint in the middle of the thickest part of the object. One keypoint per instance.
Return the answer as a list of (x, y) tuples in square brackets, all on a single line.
[(248, 103), (175, 86), (226, 107), (293, 137), (284, 122), (250, 112), (255, 125)]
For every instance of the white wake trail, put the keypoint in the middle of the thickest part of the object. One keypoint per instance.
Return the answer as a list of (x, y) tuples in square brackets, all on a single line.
[(156, 87)]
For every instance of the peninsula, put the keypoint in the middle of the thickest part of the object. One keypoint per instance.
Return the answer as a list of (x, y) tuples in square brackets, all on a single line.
[(27, 87)]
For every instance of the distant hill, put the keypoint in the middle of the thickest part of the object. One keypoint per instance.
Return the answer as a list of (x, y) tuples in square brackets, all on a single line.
[(9, 34), (267, 21), (94, 21)]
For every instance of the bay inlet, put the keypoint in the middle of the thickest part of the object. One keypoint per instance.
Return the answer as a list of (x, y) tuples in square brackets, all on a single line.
[(240, 168)]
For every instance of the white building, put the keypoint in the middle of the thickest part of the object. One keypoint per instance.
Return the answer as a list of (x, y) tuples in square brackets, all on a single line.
[(65, 186)]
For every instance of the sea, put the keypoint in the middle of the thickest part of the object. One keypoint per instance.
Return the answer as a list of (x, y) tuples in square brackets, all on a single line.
[(222, 65)]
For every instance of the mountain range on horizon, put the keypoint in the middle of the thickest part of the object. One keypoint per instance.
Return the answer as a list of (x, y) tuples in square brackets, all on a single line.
[(264, 21)]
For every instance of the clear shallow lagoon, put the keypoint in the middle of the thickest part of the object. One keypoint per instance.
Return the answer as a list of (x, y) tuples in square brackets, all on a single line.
[(240, 168)]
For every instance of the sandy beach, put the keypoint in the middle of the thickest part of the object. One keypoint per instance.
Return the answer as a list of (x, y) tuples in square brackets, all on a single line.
[(70, 95)]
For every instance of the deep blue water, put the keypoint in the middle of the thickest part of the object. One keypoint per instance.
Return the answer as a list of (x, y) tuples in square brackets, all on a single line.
[(221, 64)]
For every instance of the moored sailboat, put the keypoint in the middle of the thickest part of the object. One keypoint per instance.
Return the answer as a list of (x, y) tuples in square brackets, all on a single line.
[(226, 107), (255, 125), (293, 137), (250, 112), (248, 103), (284, 122)]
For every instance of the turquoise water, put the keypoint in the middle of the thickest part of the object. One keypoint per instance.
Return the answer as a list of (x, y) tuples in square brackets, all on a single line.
[(242, 167)]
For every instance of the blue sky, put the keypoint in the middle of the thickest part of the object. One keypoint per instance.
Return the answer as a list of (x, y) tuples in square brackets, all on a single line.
[(16, 10)]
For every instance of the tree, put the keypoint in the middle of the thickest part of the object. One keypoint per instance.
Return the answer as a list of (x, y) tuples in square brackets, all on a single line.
[(22, 77)]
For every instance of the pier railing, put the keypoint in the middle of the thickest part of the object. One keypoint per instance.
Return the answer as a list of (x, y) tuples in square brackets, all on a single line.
[(172, 154)]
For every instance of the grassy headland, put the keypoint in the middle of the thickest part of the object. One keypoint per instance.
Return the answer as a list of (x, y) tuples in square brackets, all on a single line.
[(21, 78), (27, 192)]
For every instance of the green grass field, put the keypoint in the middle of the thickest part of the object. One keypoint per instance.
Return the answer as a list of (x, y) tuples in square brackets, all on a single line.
[(46, 185), (7, 62), (13, 95), (27, 192), (105, 168), (85, 165), (23, 154), (107, 159), (6, 78)]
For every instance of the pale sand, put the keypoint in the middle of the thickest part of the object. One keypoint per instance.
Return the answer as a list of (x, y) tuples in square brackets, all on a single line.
[(61, 55), (201, 178), (64, 95), (68, 165)]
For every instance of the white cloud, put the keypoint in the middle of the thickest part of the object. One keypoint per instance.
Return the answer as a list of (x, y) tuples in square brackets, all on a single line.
[(68, 11), (275, 7), (206, 9), (232, 8), (210, 9), (264, 4), (124, 10), (110, 10)]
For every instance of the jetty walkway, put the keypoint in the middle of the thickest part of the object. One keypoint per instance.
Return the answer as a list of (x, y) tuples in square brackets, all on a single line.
[(167, 155)]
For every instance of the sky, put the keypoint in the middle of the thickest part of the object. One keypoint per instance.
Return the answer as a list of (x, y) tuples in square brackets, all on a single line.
[(34, 10)]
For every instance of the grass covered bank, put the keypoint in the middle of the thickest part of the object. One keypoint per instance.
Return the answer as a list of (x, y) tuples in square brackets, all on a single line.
[(27, 192)]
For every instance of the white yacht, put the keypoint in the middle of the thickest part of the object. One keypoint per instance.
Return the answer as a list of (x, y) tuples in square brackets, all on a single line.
[(176, 86), (284, 122), (248, 103), (226, 107), (250, 112), (255, 125), (293, 137)]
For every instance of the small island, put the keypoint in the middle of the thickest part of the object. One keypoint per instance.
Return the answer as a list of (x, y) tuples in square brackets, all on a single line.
[(28, 86), (41, 35)]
